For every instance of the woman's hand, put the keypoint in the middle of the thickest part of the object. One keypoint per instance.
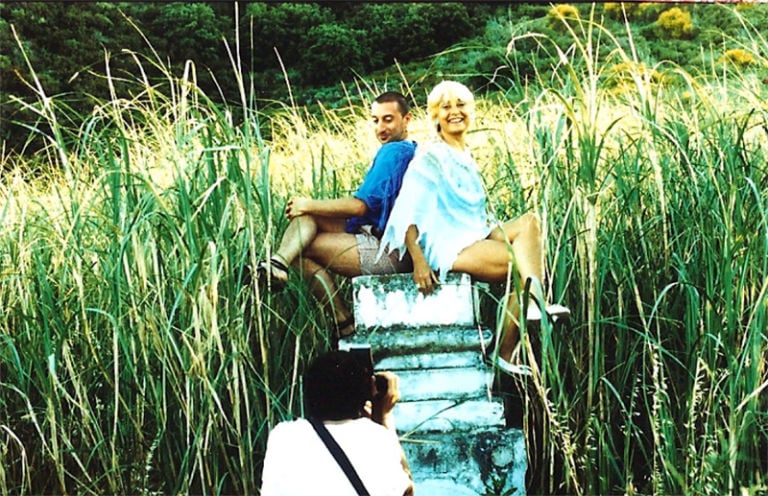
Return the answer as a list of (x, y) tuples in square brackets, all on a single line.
[(424, 277)]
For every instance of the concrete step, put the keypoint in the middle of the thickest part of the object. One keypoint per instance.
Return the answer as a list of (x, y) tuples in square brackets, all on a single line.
[(387, 342), (448, 416), (480, 463), (452, 429), (459, 383), (393, 301), (385, 360)]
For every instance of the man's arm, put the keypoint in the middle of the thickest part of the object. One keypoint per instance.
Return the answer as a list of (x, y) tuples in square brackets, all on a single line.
[(339, 207), (384, 402), (381, 412)]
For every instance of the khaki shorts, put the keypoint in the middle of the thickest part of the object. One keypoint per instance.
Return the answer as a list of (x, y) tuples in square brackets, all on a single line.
[(368, 246)]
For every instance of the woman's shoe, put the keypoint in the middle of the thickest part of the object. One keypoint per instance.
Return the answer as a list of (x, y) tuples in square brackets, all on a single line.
[(274, 272), (554, 312), (512, 368)]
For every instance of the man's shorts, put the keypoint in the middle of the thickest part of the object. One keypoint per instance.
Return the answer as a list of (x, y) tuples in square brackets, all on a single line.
[(368, 246)]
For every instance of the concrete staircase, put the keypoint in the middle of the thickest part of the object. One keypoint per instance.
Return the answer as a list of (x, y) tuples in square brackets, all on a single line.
[(451, 427)]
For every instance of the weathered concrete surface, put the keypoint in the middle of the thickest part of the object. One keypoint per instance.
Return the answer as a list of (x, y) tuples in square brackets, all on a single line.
[(393, 301), (477, 462), (461, 383), (448, 415), (451, 426)]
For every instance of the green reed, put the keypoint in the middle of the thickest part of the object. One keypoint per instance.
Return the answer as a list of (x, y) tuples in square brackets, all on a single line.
[(134, 360), (654, 198)]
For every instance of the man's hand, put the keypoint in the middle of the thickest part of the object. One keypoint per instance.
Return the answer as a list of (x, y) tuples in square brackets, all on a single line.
[(384, 401), (297, 207)]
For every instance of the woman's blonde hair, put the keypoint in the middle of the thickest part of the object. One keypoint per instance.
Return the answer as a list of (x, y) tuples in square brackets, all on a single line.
[(446, 90)]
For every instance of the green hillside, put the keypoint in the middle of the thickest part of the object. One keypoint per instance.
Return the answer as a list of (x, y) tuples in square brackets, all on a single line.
[(312, 52)]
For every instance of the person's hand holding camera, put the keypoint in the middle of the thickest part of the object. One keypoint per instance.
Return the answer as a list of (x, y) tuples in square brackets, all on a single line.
[(385, 395)]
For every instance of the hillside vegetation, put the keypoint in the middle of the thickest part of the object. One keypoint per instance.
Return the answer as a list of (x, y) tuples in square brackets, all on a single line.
[(134, 361), (309, 52)]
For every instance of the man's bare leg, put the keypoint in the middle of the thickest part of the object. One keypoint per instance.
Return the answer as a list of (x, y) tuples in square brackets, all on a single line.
[(323, 288), (301, 233), (337, 252)]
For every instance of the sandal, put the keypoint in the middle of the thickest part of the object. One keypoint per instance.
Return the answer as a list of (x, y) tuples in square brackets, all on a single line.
[(512, 369), (534, 312), (270, 272)]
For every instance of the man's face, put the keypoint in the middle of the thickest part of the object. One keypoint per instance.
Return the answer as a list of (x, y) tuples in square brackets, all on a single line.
[(389, 124)]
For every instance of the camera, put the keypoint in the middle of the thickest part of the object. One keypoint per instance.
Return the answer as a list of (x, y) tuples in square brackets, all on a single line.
[(364, 356)]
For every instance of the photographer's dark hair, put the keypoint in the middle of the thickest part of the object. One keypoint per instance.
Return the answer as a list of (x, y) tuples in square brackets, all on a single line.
[(336, 387)]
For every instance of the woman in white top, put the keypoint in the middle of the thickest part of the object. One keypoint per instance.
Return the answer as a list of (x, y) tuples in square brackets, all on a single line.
[(440, 218)]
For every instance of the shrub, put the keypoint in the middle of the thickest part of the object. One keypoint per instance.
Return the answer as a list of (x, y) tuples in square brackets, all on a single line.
[(641, 11), (559, 14), (676, 23), (334, 47), (625, 71), (738, 57)]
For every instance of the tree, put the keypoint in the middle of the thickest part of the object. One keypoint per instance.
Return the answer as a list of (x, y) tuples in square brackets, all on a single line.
[(283, 27), (333, 53)]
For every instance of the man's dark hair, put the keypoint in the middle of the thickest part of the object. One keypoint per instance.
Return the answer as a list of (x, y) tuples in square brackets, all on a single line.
[(336, 386), (394, 96)]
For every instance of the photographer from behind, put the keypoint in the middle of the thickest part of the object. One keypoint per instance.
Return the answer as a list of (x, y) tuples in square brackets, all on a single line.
[(347, 445)]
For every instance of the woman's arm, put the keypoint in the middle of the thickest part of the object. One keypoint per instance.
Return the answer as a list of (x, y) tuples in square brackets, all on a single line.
[(423, 275)]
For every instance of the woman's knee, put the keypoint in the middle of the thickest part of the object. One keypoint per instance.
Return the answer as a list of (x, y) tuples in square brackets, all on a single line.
[(531, 221), (527, 225)]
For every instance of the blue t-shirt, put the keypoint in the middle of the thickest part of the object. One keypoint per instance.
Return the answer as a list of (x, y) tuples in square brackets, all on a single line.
[(382, 184)]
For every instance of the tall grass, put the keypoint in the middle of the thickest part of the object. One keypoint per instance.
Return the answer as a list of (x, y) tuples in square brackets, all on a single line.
[(133, 360), (654, 186)]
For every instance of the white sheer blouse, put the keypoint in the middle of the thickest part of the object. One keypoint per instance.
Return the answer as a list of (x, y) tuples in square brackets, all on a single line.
[(443, 195)]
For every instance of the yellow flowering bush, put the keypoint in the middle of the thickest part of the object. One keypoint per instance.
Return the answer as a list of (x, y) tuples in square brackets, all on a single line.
[(624, 72), (560, 13), (737, 56), (676, 23), (634, 11)]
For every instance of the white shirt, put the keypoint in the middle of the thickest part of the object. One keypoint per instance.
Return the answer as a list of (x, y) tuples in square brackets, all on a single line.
[(297, 462)]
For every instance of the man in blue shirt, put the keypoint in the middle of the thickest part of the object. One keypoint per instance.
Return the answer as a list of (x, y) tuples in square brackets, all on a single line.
[(342, 235)]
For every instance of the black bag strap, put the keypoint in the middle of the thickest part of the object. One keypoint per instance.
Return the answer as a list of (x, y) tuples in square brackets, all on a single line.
[(339, 455)]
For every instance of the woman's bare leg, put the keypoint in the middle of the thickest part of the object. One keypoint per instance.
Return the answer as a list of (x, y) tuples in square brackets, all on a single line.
[(516, 243), (524, 234)]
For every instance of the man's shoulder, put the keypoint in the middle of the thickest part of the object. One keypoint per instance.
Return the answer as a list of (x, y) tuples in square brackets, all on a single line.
[(397, 148)]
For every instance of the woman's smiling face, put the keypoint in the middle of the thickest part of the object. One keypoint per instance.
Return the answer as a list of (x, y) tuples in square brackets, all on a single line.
[(451, 106), (454, 115)]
